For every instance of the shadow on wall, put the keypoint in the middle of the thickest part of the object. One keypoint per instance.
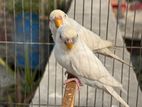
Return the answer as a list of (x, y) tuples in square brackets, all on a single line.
[(134, 47)]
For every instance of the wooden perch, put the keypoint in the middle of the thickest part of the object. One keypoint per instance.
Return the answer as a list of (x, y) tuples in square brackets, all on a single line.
[(69, 95)]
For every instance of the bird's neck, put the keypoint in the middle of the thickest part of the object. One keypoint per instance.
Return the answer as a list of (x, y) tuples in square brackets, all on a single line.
[(78, 46)]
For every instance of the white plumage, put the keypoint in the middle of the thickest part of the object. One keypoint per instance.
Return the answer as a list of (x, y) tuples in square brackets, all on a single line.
[(91, 39), (82, 63)]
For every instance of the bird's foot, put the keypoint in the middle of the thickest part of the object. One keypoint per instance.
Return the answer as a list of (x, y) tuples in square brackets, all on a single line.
[(66, 72), (78, 82)]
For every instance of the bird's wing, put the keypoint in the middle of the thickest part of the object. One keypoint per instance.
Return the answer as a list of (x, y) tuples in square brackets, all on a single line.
[(107, 52), (93, 41), (90, 67)]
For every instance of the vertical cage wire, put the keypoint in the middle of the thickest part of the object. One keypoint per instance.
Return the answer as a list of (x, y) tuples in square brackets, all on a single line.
[(54, 92)]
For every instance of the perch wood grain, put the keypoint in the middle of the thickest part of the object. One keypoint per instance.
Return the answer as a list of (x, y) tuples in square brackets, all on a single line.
[(69, 95)]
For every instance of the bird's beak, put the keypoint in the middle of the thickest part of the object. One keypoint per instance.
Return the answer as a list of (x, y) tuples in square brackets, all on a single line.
[(58, 21), (69, 43)]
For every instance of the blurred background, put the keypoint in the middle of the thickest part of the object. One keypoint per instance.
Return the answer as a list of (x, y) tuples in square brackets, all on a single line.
[(29, 73), (25, 47)]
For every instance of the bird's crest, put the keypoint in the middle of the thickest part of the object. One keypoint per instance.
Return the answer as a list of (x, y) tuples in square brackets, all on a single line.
[(68, 31)]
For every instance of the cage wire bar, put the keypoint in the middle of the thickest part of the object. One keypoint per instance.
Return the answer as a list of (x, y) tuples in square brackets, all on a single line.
[(97, 15)]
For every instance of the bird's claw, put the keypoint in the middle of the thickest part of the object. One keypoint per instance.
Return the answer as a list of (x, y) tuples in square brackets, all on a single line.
[(66, 72), (78, 83)]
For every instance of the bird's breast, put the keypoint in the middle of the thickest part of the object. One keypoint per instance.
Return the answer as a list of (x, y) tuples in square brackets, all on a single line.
[(62, 58)]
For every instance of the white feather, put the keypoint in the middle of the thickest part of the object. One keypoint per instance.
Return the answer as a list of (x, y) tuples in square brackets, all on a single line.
[(91, 39), (81, 62)]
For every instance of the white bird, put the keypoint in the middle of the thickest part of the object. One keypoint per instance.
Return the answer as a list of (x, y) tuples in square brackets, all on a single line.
[(73, 54), (92, 40)]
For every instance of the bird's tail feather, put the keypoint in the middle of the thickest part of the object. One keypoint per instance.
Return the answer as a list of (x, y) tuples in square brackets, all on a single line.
[(123, 90), (115, 95), (107, 52)]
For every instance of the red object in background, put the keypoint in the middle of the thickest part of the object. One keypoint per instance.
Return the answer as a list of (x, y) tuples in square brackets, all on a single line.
[(135, 6), (115, 6), (123, 5)]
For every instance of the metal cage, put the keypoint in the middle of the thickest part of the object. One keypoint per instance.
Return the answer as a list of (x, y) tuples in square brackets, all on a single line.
[(30, 75)]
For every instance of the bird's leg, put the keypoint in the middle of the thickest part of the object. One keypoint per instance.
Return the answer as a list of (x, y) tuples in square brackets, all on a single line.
[(66, 72), (70, 75), (78, 82)]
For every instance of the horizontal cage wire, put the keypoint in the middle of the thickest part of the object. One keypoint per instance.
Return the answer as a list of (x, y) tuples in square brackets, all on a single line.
[(29, 72)]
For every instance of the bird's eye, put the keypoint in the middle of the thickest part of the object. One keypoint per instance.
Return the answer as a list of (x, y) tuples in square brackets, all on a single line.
[(60, 37), (65, 15), (77, 36)]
